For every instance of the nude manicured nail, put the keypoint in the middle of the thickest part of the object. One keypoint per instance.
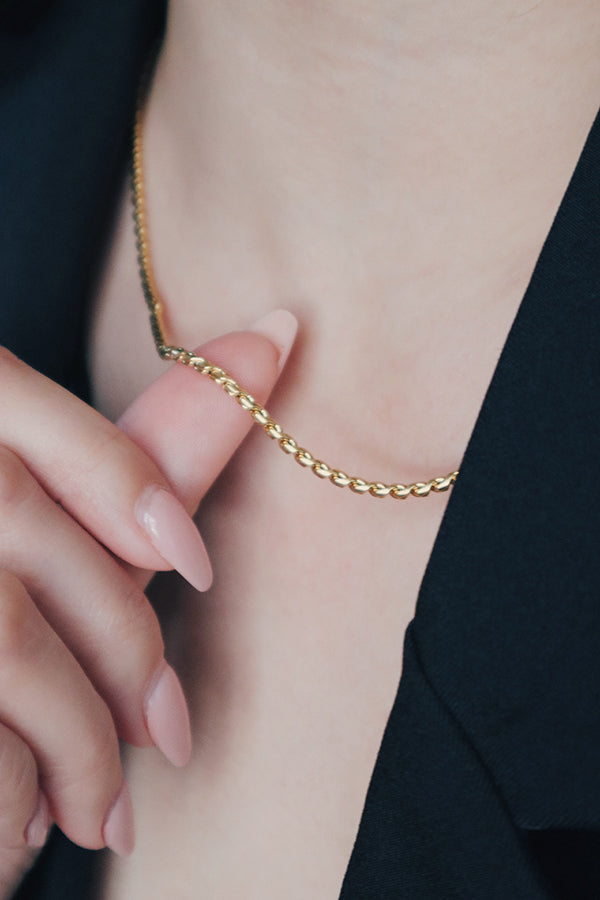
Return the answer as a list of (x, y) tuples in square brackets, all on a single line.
[(118, 832), (280, 327), (175, 536), (167, 716), (39, 825)]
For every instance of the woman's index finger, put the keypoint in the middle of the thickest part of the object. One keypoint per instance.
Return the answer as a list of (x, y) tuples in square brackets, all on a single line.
[(83, 461), (190, 426)]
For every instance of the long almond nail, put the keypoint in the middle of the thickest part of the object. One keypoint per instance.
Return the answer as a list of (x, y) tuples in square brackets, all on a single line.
[(167, 716), (118, 831), (175, 536), (280, 327), (39, 825)]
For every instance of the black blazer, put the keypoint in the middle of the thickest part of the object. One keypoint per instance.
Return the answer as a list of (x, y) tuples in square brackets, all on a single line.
[(487, 784)]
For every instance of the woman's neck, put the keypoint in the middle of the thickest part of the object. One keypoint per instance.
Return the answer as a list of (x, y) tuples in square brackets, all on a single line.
[(313, 140)]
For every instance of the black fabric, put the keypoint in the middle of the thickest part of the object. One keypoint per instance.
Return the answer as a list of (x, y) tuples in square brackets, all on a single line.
[(67, 90), (487, 784), (22, 16), (69, 73), (63, 871), (507, 625)]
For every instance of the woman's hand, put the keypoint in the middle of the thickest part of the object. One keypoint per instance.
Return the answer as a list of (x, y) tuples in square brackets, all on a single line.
[(88, 511)]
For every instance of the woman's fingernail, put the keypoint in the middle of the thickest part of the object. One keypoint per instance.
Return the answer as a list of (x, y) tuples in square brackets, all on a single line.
[(167, 717), (118, 831), (39, 825), (175, 536), (280, 327)]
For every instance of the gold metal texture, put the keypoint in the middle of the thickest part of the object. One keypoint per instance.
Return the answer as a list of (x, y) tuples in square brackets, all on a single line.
[(199, 364)]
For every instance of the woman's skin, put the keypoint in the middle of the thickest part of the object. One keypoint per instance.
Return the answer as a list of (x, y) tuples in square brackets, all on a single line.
[(388, 172), (81, 651)]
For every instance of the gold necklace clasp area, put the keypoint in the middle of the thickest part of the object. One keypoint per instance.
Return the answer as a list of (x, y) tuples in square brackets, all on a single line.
[(260, 415)]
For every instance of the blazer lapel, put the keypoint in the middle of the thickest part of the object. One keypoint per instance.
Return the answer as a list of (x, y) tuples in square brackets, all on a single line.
[(501, 659)]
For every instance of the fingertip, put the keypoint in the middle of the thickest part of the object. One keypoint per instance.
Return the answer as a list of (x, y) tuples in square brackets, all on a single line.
[(39, 824), (168, 718), (280, 327), (118, 831), (174, 535)]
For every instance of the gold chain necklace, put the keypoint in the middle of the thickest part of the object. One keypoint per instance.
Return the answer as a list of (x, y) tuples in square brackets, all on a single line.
[(230, 386)]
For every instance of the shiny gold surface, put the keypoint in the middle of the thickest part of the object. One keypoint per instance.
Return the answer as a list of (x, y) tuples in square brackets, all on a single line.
[(178, 354)]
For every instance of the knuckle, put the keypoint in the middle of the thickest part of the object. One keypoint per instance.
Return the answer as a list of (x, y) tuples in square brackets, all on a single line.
[(136, 628), (15, 480), (82, 780), (89, 783), (113, 449), (100, 761), (131, 630)]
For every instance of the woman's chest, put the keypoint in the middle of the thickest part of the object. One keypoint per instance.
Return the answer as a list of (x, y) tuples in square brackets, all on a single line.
[(292, 660), (290, 665)]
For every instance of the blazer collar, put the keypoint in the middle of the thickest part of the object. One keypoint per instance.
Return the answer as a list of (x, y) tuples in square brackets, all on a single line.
[(508, 618)]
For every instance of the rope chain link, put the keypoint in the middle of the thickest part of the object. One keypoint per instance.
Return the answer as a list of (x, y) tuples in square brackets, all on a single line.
[(220, 377)]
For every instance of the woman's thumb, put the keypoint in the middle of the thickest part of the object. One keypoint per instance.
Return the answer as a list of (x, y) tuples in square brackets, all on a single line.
[(188, 425)]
